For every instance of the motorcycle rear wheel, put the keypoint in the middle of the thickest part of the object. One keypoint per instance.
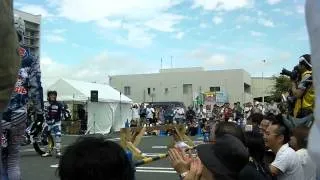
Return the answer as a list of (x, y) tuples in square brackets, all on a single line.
[(41, 148)]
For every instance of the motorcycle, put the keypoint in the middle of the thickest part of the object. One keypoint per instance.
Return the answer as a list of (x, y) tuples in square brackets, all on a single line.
[(38, 135)]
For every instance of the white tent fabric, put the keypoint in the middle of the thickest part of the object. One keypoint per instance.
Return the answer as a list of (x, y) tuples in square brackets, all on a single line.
[(108, 114)]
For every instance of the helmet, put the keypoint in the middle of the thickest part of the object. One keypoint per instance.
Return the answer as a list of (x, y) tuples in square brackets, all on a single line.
[(20, 27), (51, 92)]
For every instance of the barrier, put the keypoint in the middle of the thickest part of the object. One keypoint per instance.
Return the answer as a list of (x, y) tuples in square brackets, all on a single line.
[(131, 137)]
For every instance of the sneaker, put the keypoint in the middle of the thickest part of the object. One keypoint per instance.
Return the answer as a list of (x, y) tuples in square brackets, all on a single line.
[(47, 154), (58, 155)]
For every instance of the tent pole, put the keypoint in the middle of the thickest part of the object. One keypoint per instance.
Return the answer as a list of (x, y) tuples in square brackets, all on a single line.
[(120, 108)]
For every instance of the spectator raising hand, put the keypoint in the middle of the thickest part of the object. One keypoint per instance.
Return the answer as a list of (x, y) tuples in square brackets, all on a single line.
[(179, 160), (195, 170)]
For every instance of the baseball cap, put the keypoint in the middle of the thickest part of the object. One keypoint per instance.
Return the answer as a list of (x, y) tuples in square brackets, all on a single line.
[(227, 157)]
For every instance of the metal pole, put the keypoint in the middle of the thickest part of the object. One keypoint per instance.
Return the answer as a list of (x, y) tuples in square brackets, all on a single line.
[(171, 62), (264, 61), (120, 107)]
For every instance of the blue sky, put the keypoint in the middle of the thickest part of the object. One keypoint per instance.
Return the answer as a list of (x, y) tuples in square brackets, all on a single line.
[(90, 40)]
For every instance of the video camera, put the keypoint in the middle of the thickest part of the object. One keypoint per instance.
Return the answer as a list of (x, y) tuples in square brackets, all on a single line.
[(294, 74)]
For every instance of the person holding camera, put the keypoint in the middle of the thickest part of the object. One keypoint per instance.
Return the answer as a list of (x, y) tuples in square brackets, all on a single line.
[(302, 88)]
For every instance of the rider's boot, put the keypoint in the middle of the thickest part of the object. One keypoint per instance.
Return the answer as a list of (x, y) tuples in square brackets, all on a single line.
[(58, 146), (47, 154)]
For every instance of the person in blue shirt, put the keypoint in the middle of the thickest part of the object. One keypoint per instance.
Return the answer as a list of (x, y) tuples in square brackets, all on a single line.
[(27, 87)]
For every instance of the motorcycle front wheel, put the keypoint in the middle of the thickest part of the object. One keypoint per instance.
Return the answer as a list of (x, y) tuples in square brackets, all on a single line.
[(44, 145)]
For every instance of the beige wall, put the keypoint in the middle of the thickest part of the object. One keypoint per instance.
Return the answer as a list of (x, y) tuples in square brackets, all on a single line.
[(260, 86), (230, 80)]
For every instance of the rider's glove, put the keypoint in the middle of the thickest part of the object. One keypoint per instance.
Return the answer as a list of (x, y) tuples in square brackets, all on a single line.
[(39, 118)]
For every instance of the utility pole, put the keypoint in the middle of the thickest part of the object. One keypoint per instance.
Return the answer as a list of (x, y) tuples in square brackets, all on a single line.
[(171, 62), (264, 61)]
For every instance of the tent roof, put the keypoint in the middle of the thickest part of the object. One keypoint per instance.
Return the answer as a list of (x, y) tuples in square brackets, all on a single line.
[(69, 90)]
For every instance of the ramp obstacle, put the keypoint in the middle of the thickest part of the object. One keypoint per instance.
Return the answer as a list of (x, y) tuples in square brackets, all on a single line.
[(130, 138)]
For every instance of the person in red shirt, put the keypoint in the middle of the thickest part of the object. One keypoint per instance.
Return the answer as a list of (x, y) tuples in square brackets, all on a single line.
[(227, 112)]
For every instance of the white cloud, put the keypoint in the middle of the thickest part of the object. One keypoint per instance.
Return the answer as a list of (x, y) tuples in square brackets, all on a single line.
[(36, 10), (54, 38), (217, 20), (272, 2), (164, 22), (283, 11), (207, 58), (215, 60), (179, 35), (300, 9), (98, 9), (96, 68), (226, 5), (245, 19), (238, 27), (137, 37), (266, 22), (58, 31), (256, 33), (75, 45), (284, 56), (203, 25), (105, 23), (260, 13), (143, 15)]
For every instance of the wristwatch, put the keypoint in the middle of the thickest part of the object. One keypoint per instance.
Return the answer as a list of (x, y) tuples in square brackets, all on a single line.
[(182, 175)]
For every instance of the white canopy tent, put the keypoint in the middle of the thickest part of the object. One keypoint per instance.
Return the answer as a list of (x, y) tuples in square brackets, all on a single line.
[(108, 114)]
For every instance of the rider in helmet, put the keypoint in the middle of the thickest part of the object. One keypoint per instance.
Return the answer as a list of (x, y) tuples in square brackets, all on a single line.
[(53, 115), (28, 87)]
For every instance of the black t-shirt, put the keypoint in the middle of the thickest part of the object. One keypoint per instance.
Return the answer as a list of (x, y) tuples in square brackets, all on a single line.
[(254, 172)]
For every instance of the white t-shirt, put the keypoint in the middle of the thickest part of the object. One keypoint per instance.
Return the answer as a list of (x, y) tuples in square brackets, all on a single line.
[(308, 166), (179, 113), (150, 112), (287, 161), (135, 113), (202, 113)]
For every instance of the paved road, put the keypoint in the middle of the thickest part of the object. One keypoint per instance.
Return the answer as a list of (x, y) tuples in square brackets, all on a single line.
[(34, 167)]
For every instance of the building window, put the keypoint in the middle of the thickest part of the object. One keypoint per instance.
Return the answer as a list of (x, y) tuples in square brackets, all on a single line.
[(149, 91), (166, 90), (127, 90), (247, 88), (187, 89), (214, 89)]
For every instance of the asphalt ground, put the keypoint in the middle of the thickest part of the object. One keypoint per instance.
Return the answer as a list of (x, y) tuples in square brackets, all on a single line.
[(34, 167)]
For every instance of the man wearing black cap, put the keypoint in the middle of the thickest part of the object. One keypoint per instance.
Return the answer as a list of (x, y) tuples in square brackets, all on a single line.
[(220, 161)]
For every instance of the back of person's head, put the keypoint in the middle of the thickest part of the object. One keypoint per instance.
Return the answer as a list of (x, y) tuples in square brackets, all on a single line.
[(231, 128), (256, 118), (282, 128), (301, 134), (255, 145), (96, 159)]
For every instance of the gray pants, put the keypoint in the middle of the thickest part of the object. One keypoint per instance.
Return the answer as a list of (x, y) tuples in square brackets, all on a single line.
[(0, 150), (292, 122), (11, 163), (11, 154)]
